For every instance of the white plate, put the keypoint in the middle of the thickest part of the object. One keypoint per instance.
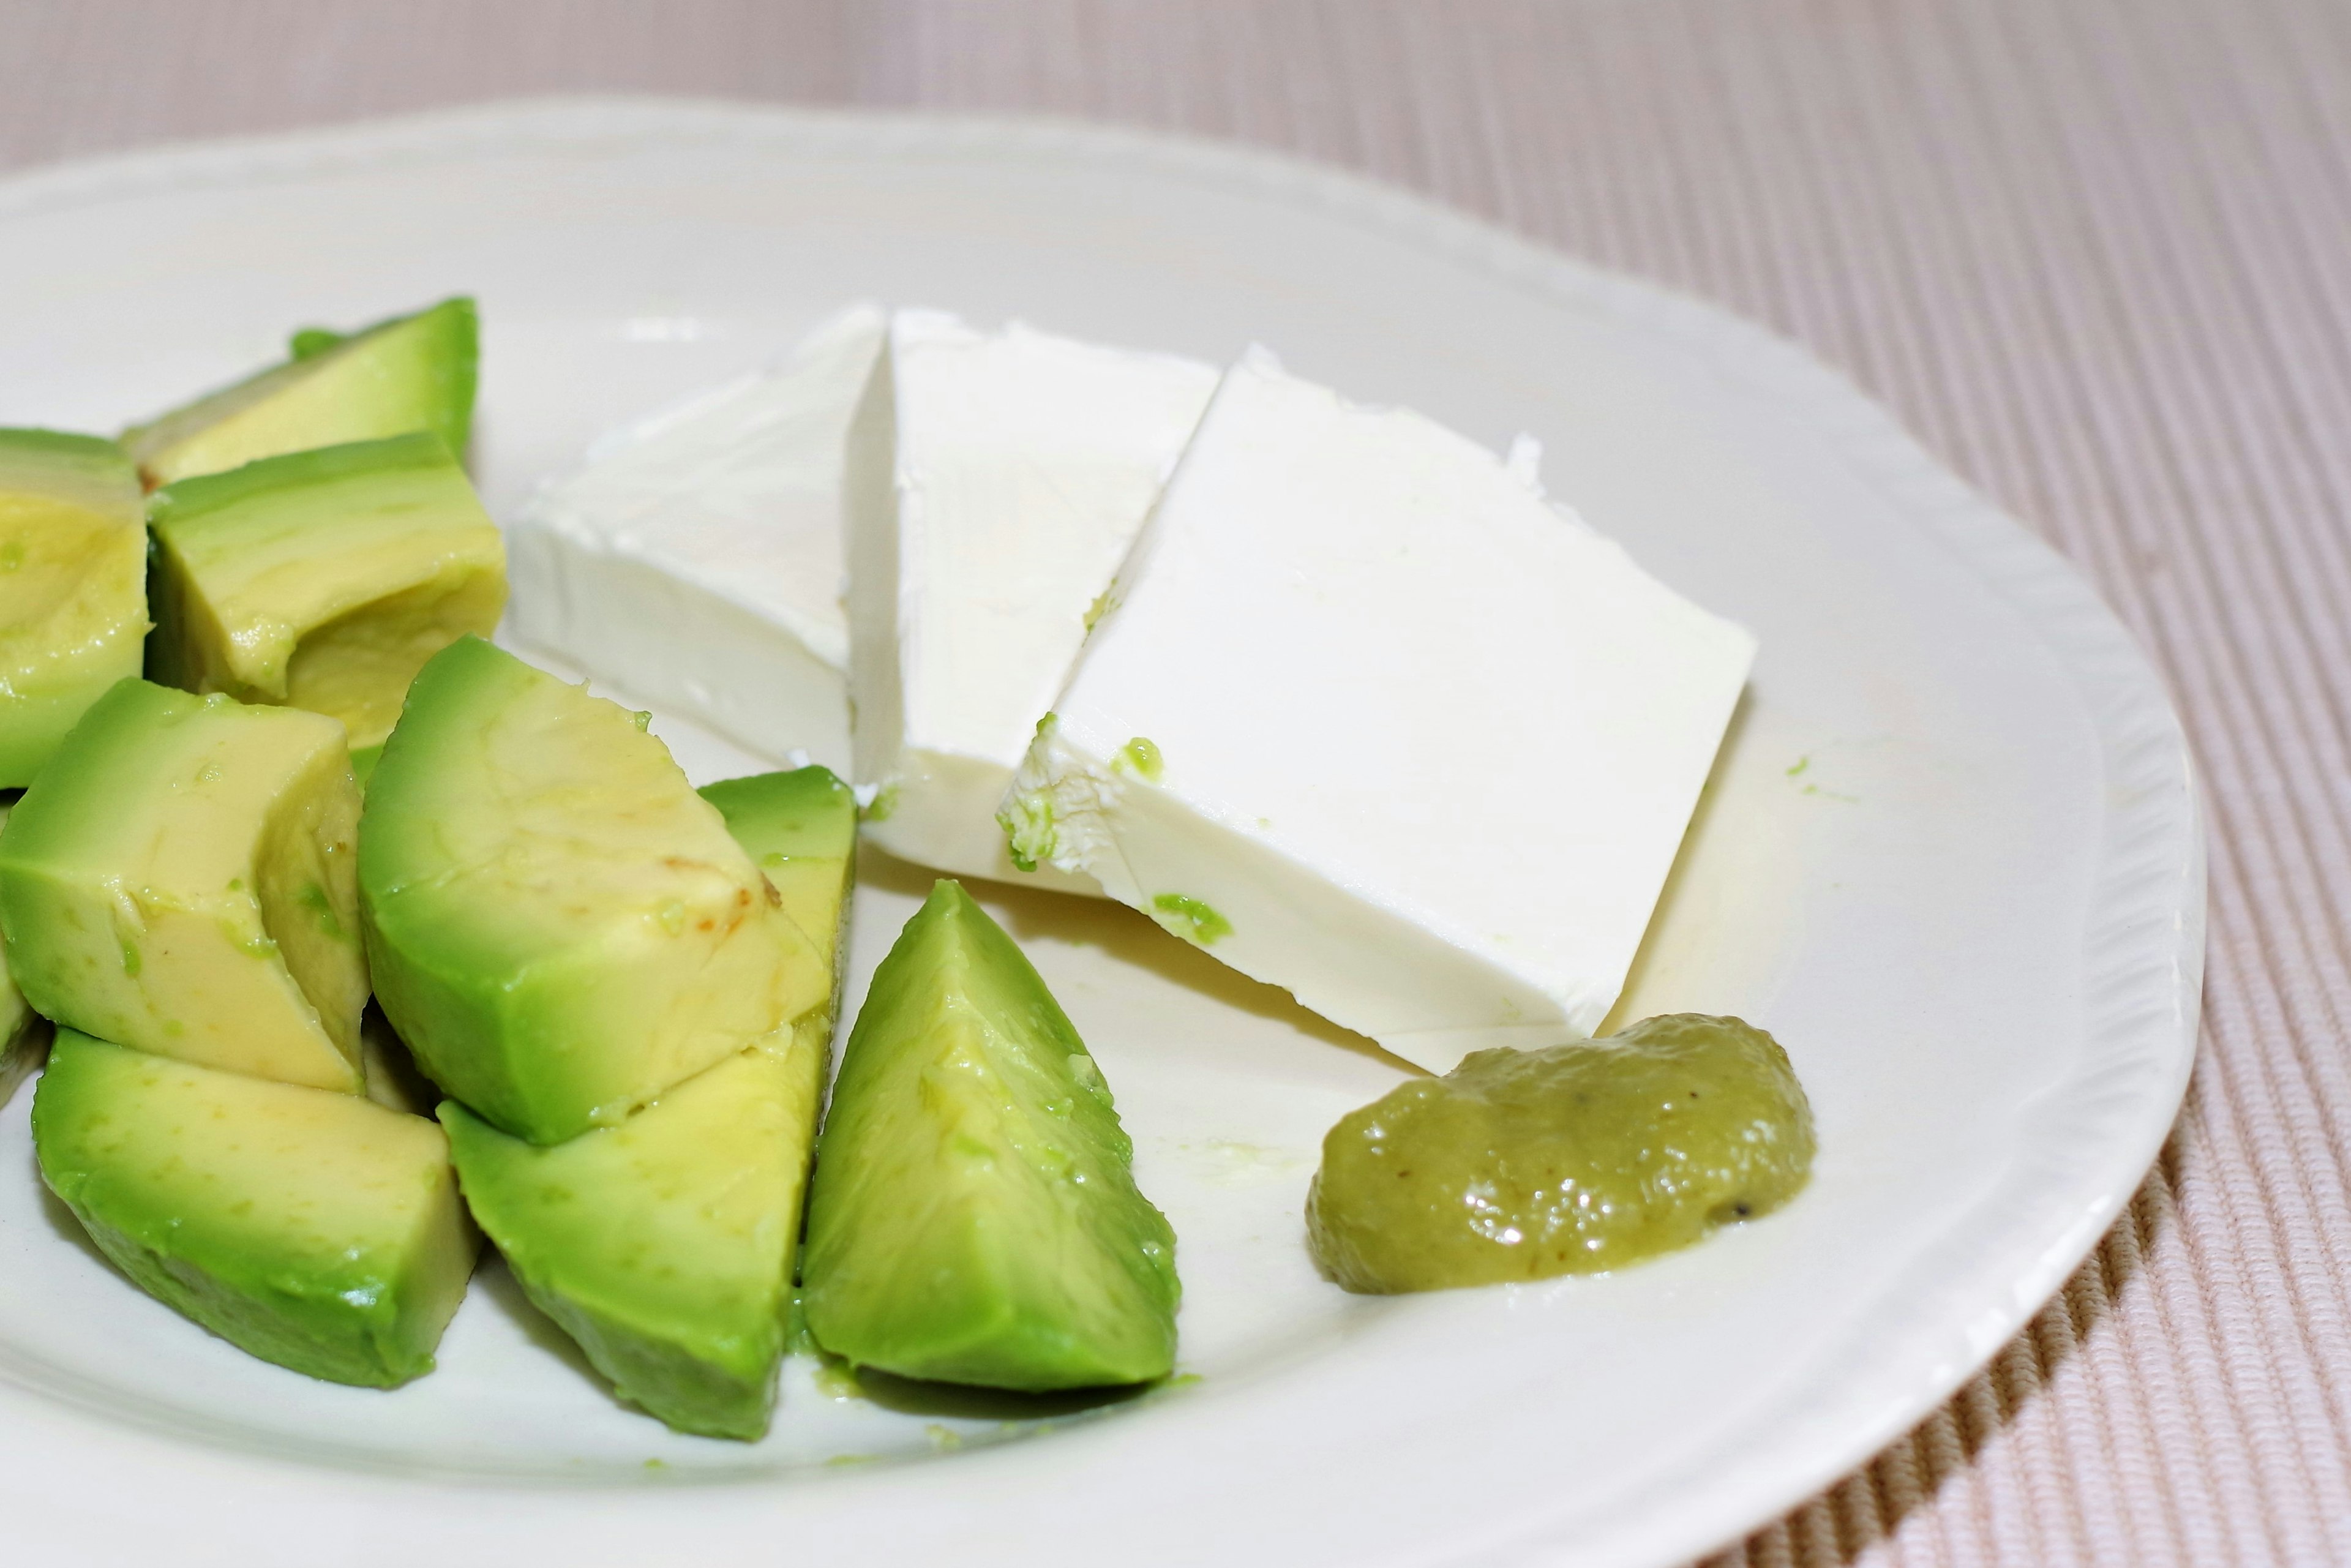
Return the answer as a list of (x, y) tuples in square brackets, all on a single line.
[(1953, 860)]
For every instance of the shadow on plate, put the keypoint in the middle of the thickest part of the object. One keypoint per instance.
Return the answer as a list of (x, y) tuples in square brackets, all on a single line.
[(912, 1396), (496, 1283), (61, 1220), (1128, 936)]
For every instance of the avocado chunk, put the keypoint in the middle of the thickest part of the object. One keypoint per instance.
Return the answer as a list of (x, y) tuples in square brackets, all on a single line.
[(411, 373), (323, 579), (182, 878), (318, 1231), (664, 1245), (73, 587), (974, 1218), (23, 1033), (559, 927)]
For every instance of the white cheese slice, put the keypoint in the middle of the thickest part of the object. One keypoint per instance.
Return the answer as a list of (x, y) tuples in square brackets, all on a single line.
[(1372, 721), (694, 560), (998, 480)]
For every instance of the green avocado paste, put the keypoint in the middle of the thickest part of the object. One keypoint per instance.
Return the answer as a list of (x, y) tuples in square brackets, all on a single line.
[(1520, 1164)]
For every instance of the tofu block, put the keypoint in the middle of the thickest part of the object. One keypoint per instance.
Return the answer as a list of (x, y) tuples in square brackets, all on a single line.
[(997, 480), (723, 515), (1370, 720)]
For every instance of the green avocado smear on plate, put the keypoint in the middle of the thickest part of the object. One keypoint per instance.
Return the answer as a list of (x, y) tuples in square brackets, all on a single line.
[(1522, 1165)]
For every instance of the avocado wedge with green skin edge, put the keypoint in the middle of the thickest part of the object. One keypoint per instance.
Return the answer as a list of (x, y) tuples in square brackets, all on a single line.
[(73, 587), (665, 1245), (410, 373), (23, 1033), (322, 580), (182, 878), (316, 1230), (558, 925), (973, 1216)]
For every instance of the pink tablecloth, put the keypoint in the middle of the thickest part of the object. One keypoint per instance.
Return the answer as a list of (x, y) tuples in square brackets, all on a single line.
[(2096, 252)]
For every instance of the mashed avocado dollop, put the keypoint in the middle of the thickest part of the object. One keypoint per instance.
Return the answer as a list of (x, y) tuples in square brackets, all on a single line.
[(1520, 1164)]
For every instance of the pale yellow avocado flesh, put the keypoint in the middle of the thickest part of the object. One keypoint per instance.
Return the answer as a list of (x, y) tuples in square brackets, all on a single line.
[(665, 1245), (323, 579), (182, 879), (559, 928), (65, 572), (357, 667), (411, 373), (73, 587)]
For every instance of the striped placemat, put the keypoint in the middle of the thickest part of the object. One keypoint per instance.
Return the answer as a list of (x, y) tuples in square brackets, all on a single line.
[(2098, 253)]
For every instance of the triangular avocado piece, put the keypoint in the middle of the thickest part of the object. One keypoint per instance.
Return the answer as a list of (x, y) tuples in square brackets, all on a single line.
[(409, 373), (973, 1216), (664, 1245)]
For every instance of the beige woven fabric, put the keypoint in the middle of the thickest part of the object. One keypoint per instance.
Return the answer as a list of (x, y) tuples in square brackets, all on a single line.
[(2096, 252)]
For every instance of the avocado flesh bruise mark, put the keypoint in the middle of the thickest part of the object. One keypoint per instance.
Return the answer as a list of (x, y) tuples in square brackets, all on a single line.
[(182, 878), (323, 579), (316, 1230), (410, 373), (973, 1216), (799, 828), (73, 587), (664, 1245), (560, 927)]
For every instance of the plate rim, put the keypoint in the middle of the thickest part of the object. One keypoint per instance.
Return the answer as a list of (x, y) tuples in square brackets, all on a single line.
[(2143, 946)]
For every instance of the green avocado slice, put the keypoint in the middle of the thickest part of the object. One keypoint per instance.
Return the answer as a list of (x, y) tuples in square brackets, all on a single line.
[(73, 587), (182, 878), (664, 1245), (316, 1230), (23, 1033), (559, 927), (323, 579), (974, 1218), (409, 373)]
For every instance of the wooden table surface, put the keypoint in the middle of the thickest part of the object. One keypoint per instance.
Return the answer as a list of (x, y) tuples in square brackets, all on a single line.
[(2098, 253)]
